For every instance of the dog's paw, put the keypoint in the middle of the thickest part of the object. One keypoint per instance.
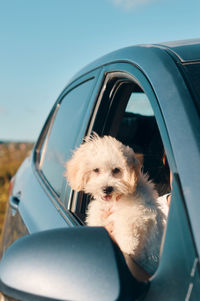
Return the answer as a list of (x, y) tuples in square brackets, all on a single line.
[(110, 229)]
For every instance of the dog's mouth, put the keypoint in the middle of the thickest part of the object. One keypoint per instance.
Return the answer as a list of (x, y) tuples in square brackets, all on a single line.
[(107, 197)]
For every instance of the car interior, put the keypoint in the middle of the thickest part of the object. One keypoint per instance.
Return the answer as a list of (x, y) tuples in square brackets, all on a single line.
[(128, 116), (142, 135), (132, 121)]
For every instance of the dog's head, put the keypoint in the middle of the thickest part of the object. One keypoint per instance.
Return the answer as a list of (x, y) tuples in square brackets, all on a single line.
[(103, 167)]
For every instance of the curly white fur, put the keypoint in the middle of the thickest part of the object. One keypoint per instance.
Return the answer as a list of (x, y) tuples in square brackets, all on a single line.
[(124, 201)]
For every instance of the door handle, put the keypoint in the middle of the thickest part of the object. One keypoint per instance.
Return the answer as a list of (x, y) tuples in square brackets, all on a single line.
[(14, 203)]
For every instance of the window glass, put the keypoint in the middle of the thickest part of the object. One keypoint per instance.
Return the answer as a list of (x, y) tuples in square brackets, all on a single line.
[(63, 134), (139, 104)]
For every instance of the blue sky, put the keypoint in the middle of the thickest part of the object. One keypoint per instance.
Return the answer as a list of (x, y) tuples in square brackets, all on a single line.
[(43, 43)]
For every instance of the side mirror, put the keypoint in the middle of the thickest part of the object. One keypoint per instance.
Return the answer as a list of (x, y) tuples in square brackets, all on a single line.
[(67, 264)]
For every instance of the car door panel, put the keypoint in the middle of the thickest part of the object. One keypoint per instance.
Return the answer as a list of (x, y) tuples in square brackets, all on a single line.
[(177, 277), (37, 213)]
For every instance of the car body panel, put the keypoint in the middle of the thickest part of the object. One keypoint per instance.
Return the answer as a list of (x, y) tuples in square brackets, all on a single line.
[(186, 51), (48, 213), (177, 275)]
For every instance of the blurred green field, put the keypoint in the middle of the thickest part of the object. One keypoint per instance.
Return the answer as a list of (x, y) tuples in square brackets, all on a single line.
[(11, 156)]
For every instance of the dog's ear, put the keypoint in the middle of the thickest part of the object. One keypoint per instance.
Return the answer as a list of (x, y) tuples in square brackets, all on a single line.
[(133, 166), (131, 158), (75, 172)]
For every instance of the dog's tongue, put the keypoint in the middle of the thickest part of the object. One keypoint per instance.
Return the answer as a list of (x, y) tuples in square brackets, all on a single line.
[(107, 197)]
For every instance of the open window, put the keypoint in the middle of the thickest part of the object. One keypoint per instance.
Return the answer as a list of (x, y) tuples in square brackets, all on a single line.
[(130, 118), (124, 111)]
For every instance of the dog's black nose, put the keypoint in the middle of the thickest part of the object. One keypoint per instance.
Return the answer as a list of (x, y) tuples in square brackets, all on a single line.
[(108, 189)]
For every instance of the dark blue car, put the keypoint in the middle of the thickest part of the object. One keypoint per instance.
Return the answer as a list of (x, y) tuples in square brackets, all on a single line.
[(148, 97)]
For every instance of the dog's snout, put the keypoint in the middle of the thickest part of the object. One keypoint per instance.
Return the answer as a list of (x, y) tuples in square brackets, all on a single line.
[(108, 189)]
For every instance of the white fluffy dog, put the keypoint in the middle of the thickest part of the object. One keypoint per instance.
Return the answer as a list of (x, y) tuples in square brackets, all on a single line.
[(124, 201)]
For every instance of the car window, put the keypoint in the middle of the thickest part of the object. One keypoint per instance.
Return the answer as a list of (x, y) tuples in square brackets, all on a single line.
[(139, 104), (62, 134), (126, 113), (130, 118)]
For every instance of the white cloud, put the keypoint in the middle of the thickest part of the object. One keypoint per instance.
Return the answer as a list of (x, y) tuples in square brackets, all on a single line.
[(130, 4)]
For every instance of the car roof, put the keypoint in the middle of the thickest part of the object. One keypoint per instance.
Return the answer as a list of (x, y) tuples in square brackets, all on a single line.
[(147, 55), (186, 50)]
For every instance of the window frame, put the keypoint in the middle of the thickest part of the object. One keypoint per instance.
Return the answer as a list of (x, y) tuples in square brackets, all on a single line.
[(129, 73)]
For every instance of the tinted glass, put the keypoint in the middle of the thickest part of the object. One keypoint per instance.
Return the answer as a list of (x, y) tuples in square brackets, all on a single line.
[(63, 135)]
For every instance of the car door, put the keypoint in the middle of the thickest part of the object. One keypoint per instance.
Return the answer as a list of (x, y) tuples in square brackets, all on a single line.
[(40, 197)]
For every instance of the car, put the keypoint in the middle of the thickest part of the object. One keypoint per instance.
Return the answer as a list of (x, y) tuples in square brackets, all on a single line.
[(148, 97)]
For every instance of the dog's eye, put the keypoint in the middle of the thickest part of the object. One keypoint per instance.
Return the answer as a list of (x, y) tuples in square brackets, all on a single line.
[(115, 171), (96, 170)]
